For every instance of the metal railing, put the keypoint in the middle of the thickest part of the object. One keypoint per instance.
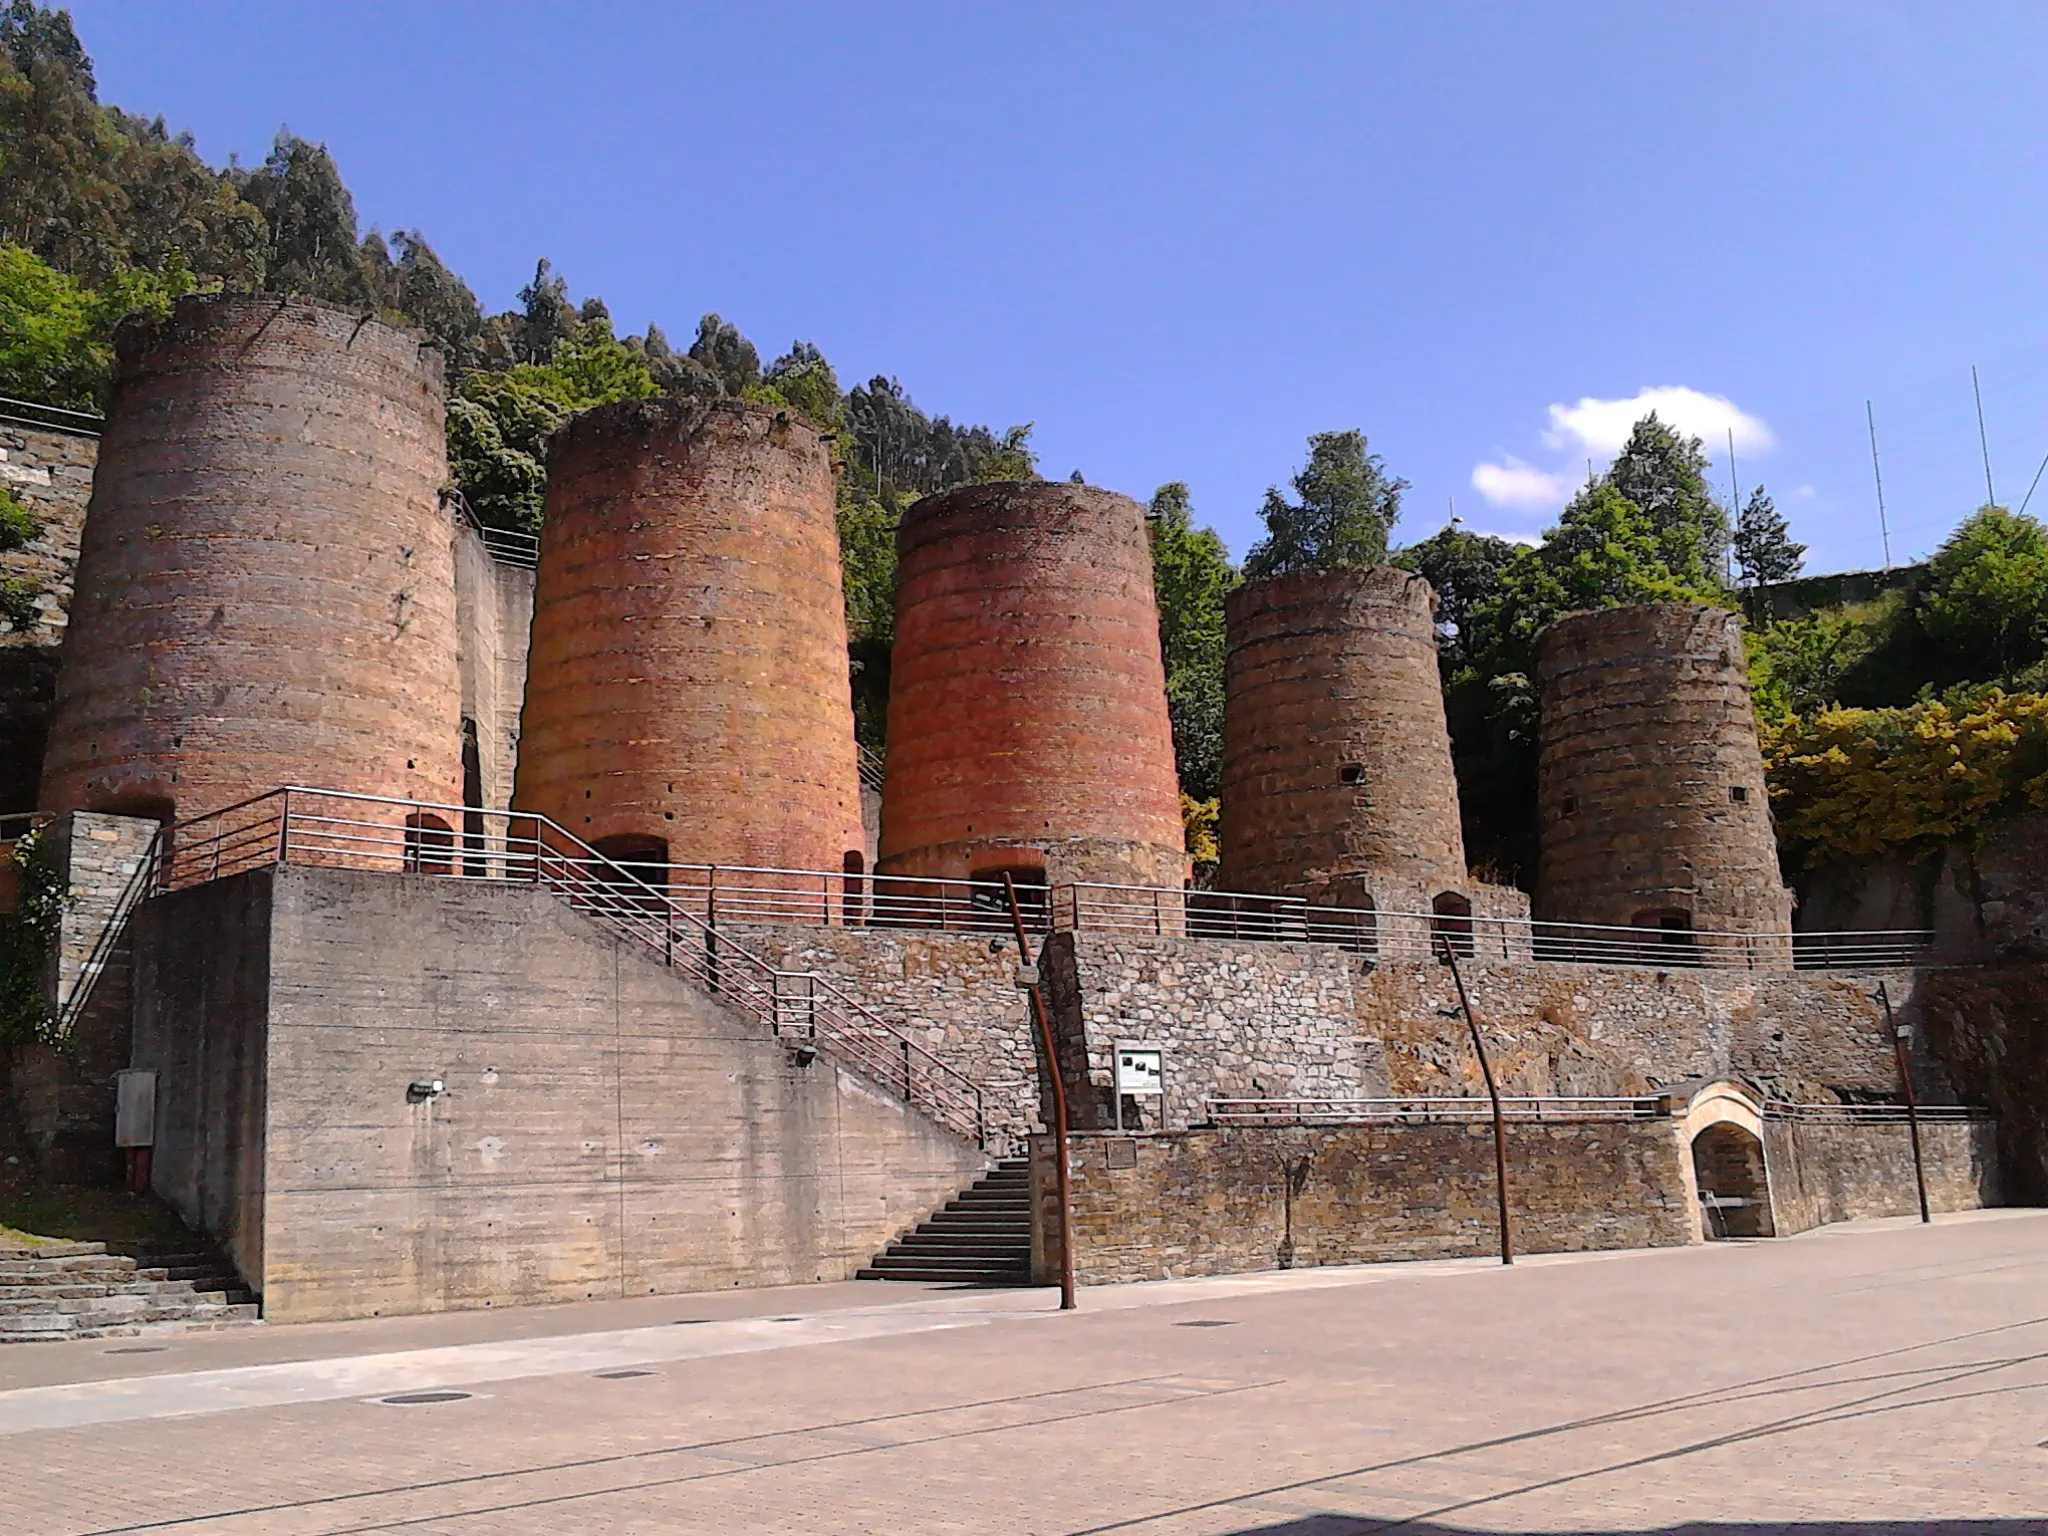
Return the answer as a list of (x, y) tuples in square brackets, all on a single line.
[(330, 830), (1394, 935), (1874, 1114), (873, 767), (735, 893), (505, 545), (34, 413), (1427, 1111)]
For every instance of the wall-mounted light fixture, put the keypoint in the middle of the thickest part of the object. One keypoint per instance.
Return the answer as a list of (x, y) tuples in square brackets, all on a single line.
[(421, 1089)]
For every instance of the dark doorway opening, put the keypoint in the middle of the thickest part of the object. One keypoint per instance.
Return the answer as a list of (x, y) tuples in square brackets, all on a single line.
[(1450, 923), (991, 905), (1669, 931), (429, 845), (474, 864), (1735, 1194)]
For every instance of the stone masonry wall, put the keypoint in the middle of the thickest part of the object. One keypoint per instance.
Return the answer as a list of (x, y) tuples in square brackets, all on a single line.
[(1822, 1172), (1213, 1202), (1243, 1019), (1990, 1028), (64, 1093), (955, 993), (1235, 1020), (51, 472)]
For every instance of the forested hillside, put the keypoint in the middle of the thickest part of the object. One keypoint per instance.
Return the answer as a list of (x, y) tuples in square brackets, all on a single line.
[(1893, 724)]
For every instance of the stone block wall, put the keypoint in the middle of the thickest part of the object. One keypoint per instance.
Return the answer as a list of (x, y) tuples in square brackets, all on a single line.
[(1990, 1029), (1235, 1021), (1822, 1172), (1213, 1202), (605, 1130), (63, 1093), (51, 471), (954, 993)]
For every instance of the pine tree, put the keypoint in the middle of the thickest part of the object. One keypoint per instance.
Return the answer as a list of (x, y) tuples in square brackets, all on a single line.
[(1348, 503), (1764, 551), (1664, 473)]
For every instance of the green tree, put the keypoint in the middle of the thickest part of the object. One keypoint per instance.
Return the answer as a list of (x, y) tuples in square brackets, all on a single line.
[(1346, 505), (1191, 572), (18, 525), (1468, 571), (1664, 473), (721, 351), (1764, 551), (417, 287), (311, 221), (804, 381), (1986, 599), (499, 423)]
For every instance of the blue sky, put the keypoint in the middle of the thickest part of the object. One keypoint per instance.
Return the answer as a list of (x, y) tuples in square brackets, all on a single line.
[(1179, 238)]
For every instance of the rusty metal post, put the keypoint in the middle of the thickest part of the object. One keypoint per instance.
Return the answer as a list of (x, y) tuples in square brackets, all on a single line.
[(1056, 1080), (1500, 1128), (1912, 1104)]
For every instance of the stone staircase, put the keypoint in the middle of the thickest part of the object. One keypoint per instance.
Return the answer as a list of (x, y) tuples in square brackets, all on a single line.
[(81, 1291), (981, 1237)]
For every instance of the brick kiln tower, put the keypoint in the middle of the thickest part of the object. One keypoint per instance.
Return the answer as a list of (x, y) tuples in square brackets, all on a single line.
[(1651, 788), (1027, 703), (1337, 779), (687, 693), (265, 589)]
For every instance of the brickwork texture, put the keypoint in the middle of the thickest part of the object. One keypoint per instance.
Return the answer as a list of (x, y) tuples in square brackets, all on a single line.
[(1336, 758), (688, 674), (265, 591), (1651, 784), (1027, 701)]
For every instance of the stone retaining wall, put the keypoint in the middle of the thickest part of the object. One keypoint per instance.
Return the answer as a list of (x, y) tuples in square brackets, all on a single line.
[(1217, 1202), (1822, 1172)]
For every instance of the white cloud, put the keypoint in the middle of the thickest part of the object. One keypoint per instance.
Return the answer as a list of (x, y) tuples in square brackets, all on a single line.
[(1600, 427), (1515, 484), (1594, 430)]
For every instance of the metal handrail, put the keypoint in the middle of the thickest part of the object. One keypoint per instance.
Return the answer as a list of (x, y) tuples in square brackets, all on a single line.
[(1873, 1114), (1426, 1110), (818, 897), (80, 417), (1393, 934), (507, 546), (298, 824)]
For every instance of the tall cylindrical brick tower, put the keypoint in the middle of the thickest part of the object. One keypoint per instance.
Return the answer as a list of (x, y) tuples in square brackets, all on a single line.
[(1651, 787), (1027, 704), (265, 581), (687, 684), (1336, 760)]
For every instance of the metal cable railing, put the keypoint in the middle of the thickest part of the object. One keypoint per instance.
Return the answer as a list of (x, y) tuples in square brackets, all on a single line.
[(1873, 1114), (1426, 1111), (1394, 935), (507, 546), (34, 413), (737, 893), (331, 830)]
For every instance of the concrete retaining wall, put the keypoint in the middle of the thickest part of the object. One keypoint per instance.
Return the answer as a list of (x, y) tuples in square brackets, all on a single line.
[(606, 1129)]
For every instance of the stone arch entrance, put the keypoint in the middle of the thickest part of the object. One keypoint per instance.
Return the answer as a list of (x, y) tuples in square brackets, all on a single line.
[(1723, 1131), (1735, 1192)]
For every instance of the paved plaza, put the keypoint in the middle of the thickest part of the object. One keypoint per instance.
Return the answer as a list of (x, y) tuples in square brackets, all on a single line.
[(1877, 1377)]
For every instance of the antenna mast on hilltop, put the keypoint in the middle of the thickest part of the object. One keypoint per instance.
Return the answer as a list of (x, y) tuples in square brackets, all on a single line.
[(1883, 532), (1983, 442)]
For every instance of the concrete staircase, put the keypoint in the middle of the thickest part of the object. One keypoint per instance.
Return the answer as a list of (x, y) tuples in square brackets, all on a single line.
[(981, 1237), (80, 1291)]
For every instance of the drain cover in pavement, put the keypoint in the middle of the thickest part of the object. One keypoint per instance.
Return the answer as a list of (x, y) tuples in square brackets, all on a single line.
[(1209, 1322), (140, 1349), (414, 1399), (621, 1375)]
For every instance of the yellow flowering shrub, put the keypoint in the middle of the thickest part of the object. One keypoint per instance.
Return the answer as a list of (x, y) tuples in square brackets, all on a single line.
[(1849, 782)]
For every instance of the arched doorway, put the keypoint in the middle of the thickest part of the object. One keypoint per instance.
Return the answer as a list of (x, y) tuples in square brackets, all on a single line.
[(1734, 1189), (429, 845), (1669, 930), (1450, 924)]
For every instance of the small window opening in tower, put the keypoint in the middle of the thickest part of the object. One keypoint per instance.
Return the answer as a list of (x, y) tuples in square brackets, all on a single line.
[(1738, 794), (1352, 773)]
